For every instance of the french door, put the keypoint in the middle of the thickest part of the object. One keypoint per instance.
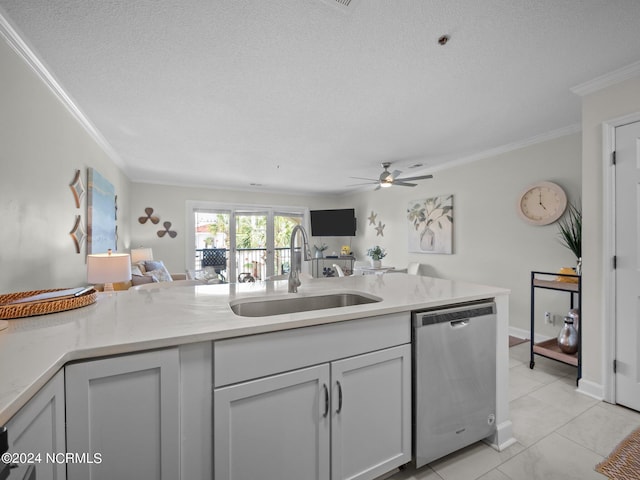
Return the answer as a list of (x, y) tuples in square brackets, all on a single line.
[(255, 239)]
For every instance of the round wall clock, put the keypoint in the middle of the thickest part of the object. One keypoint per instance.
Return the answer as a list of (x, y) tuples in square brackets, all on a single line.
[(542, 203)]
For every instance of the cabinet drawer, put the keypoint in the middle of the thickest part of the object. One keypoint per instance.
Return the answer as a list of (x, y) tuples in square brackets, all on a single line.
[(245, 358)]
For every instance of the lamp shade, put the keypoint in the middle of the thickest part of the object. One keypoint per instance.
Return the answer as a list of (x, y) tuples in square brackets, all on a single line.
[(141, 254), (108, 268)]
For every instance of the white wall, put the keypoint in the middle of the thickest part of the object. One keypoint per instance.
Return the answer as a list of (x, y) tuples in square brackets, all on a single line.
[(169, 204), (41, 147), (492, 245), (597, 108)]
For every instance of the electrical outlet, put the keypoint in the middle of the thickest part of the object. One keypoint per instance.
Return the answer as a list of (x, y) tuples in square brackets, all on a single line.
[(548, 318)]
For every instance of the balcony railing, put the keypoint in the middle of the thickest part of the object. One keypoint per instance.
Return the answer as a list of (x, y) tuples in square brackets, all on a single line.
[(251, 263)]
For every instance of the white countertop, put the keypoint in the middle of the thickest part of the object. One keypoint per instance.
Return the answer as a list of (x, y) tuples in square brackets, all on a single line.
[(33, 349)]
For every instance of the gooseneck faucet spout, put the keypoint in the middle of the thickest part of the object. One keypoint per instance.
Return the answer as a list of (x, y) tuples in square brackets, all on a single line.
[(294, 277)]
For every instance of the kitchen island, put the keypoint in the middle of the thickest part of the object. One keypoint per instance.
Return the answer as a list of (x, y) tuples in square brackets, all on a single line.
[(33, 350)]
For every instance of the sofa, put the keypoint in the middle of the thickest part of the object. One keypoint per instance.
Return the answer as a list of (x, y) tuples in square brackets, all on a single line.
[(148, 272), (152, 271)]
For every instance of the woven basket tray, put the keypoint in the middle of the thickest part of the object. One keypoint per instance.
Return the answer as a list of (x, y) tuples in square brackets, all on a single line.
[(29, 309)]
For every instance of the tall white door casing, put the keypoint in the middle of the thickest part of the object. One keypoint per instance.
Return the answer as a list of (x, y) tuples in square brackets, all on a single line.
[(126, 409), (627, 273)]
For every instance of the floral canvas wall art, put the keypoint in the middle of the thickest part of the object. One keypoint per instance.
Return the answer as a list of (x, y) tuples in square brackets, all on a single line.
[(430, 223)]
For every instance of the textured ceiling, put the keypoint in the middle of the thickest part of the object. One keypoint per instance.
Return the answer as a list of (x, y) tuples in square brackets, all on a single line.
[(298, 95)]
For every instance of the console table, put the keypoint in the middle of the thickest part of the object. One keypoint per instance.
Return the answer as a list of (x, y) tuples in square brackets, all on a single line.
[(318, 264)]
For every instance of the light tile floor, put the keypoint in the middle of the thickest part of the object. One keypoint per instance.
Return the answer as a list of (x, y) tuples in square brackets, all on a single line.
[(561, 434)]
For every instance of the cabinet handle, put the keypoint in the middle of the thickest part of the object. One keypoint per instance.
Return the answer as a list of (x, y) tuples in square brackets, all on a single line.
[(326, 400), (339, 396)]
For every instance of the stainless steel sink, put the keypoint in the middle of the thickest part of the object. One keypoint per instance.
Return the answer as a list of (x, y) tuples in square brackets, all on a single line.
[(265, 307)]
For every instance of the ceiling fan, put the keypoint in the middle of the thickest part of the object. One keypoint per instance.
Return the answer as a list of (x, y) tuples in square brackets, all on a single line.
[(388, 178)]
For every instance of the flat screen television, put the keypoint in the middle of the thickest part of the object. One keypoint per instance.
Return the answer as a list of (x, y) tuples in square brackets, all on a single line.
[(333, 223)]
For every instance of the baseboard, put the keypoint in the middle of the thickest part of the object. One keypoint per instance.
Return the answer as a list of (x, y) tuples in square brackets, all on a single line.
[(519, 333), (503, 438), (592, 389), (526, 334)]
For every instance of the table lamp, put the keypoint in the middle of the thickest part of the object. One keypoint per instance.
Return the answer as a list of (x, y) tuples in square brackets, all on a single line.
[(108, 268), (141, 254)]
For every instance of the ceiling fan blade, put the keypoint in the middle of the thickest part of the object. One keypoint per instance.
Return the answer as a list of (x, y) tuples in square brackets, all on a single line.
[(402, 183), (420, 177), (369, 179), (360, 184), (395, 174), (377, 188)]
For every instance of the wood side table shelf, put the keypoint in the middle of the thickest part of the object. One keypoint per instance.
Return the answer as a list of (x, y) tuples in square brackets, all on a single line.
[(549, 348)]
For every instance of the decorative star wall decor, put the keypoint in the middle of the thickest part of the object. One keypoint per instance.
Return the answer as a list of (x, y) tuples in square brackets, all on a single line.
[(380, 229), (77, 233), (77, 188), (372, 218)]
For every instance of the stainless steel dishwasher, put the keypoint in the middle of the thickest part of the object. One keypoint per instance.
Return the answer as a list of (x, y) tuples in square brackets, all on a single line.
[(454, 377)]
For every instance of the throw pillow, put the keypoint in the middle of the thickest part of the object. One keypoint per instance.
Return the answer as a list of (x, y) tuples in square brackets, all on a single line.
[(158, 266), (142, 279), (160, 275), (135, 271)]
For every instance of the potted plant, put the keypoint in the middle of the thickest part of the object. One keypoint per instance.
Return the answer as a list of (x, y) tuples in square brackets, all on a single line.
[(319, 250), (377, 254), (570, 232)]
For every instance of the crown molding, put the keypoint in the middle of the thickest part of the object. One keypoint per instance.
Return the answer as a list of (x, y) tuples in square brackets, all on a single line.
[(493, 152), (607, 80), (15, 41)]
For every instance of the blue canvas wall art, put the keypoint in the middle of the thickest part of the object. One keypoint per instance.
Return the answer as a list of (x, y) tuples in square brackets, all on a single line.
[(101, 213)]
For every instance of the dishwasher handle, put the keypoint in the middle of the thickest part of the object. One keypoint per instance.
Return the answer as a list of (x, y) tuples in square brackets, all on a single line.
[(454, 314), (459, 323)]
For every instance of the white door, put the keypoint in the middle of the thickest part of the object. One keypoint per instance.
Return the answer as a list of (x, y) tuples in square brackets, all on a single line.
[(274, 428), (126, 410), (627, 274), (371, 414)]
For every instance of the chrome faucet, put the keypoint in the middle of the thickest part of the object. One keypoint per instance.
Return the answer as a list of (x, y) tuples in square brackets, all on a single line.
[(294, 277)]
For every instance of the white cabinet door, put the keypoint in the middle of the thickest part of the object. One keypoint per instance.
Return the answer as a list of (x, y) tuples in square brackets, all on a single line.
[(371, 413), (274, 428), (38, 428), (125, 409)]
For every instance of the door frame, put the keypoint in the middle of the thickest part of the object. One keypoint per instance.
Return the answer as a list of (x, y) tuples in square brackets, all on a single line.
[(608, 251)]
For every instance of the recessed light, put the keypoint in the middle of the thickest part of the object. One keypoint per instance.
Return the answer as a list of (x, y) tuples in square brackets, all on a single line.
[(255, 184), (416, 165)]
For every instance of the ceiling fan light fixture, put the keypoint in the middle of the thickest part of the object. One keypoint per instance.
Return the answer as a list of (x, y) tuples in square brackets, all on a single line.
[(387, 178)]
